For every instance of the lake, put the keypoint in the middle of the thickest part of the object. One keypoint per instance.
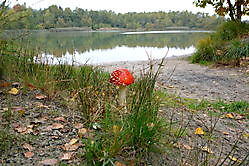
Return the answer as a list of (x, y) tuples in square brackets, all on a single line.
[(81, 47)]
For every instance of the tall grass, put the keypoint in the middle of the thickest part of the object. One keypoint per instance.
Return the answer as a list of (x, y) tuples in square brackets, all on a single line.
[(123, 131), (128, 133)]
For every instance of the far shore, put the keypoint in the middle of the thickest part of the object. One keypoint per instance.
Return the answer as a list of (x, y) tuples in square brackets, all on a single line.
[(110, 29)]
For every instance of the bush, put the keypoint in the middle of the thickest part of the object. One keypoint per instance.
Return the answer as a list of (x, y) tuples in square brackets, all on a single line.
[(205, 51), (225, 45), (231, 30)]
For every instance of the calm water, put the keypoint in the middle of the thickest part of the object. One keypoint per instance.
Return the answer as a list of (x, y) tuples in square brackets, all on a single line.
[(104, 47)]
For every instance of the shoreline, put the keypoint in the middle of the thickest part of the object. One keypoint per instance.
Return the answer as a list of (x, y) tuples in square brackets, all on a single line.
[(178, 76)]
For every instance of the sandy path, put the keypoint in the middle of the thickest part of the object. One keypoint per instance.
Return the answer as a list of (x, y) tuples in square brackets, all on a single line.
[(195, 81)]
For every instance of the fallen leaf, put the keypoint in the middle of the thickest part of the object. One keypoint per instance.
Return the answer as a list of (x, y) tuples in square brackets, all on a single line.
[(117, 163), (245, 135), (60, 119), (24, 129), (82, 132), (239, 117), (54, 137), (30, 86), (170, 86), (40, 96), (49, 162), (69, 147), (199, 131), (151, 125), (27, 146), (225, 133), (206, 149), (55, 126), (41, 105), (234, 159), (13, 91), (20, 129), (230, 115), (73, 141), (20, 110), (116, 129), (187, 147), (67, 156), (5, 84), (28, 154), (78, 125)]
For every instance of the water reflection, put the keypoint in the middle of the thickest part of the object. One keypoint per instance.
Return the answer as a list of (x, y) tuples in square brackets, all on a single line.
[(105, 47), (116, 54)]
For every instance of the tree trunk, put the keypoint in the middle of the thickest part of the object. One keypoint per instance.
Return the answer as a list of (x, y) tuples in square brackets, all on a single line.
[(231, 10), (239, 10)]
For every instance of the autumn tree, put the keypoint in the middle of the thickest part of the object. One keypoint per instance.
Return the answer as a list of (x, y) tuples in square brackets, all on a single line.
[(234, 8)]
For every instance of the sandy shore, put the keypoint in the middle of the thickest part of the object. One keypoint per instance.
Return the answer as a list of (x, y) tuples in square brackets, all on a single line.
[(192, 80)]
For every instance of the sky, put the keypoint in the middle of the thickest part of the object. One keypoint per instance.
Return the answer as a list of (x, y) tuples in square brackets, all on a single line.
[(119, 6)]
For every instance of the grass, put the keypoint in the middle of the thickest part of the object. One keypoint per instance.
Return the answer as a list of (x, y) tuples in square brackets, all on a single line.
[(124, 134), (228, 45), (123, 130)]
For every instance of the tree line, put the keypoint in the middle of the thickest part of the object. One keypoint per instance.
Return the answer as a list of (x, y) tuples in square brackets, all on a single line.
[(22, 17)]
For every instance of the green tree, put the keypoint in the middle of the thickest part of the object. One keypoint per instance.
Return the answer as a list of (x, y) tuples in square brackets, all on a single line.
[(223, 7)]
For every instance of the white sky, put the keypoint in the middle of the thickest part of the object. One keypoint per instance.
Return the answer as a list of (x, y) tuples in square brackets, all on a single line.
[(119, 6)]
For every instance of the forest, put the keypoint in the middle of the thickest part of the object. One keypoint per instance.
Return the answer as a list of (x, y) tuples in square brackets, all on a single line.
[(22, 17)]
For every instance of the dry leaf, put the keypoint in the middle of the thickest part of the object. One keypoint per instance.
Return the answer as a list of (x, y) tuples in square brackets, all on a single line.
[(233, 158), (117, 163), (20, 110), (13, 91), (41, 105), (229, 115), (55, 126), (27, 146), (199, 131), (187, 147), (239, 117), (49, 162), (60, 119), (67, 156), (82, 132), (73, 141), (40, 96), (24, 129), (151, 125), (5, 84), (116, 129), (20, 129), (78, 125), (245, 135), (69, 147), (225, 133), (170, 86), (54, 137), (206, 149), (30, 86), (28, 154)]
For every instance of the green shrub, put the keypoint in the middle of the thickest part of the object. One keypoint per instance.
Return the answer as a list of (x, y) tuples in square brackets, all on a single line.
[(225, 45), (205, 50), (236, 51), (231, 30)]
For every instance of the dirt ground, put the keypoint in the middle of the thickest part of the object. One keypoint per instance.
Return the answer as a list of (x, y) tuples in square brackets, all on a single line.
[(195, 81), (53, 126)]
